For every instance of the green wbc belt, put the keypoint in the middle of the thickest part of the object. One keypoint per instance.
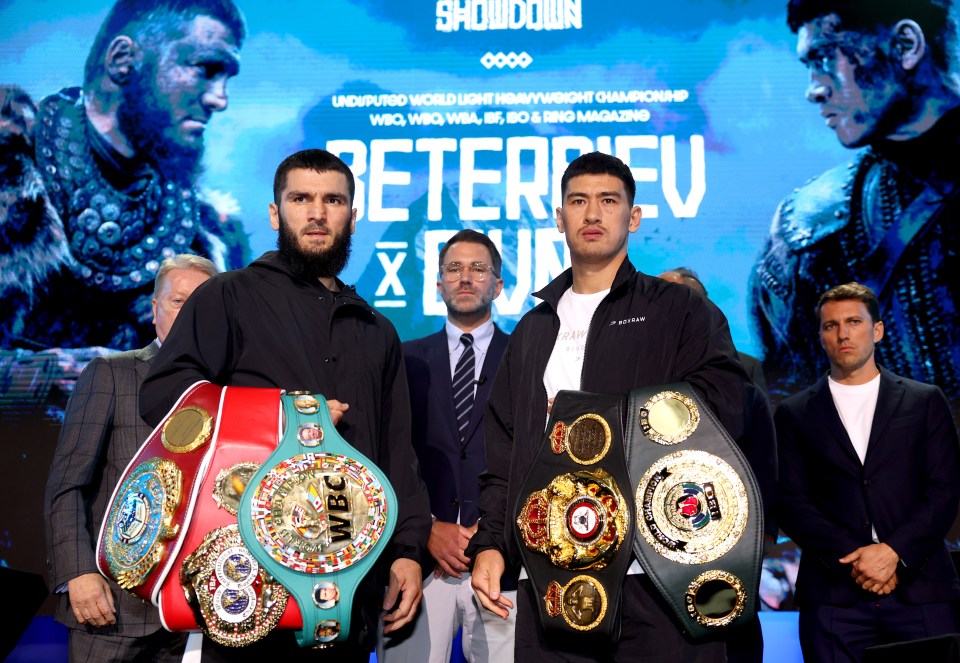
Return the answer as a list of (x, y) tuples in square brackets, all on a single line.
[(316, 516), (698, 517)]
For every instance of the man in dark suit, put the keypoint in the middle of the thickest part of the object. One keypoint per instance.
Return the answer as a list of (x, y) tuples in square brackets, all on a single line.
[(450, 374), (101, 433), (868, 489)]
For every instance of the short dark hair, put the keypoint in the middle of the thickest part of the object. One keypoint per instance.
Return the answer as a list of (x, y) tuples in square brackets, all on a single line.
[(151, 20), (317, 160), (933, 17), (690, 278), (475, 237), (598, 163), (852, 291)]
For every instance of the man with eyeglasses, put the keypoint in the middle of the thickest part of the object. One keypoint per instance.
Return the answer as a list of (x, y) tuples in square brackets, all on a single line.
[(450, 374)]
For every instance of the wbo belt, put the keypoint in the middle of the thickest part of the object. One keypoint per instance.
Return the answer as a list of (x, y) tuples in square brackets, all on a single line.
[(699, 520), (152, 505), (573, 520), (316, 515)]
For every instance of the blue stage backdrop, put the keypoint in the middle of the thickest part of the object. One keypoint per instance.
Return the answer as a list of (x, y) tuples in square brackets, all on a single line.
[(451, 114)]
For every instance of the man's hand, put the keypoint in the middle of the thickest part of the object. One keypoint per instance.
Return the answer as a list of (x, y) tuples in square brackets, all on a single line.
[(446, 545), (405, 578), (487, 571), (91, 600), (873, 567), (337, 410), (888, 587)]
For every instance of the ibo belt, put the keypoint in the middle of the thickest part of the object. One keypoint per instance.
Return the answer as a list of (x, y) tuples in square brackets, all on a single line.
[(699, 519), (316, 515)]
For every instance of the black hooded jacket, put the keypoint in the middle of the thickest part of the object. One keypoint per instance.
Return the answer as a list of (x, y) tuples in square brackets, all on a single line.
[(261, 326), (646, 331)]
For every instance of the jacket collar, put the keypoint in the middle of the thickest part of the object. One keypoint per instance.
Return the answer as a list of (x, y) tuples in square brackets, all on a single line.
[(271, 261), (554, 290), (888, 401)]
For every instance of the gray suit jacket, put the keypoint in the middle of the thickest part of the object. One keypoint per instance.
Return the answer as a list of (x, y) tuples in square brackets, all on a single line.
[(101, 433)]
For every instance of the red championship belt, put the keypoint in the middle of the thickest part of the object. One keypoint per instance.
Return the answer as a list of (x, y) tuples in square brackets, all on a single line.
[(214, 583), (152, 506)]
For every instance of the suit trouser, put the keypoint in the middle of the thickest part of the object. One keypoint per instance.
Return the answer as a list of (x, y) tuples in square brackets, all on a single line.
[(449, 603), (161, 646), (840, 634)]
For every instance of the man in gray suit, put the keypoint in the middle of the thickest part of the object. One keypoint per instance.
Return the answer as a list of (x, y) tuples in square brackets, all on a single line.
[(101, 433)]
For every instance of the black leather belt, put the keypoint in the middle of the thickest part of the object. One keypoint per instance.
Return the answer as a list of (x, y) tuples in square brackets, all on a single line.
[(574, 520), (699, 518)]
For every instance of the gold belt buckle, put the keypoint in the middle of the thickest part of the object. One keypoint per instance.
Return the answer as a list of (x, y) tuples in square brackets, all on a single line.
[(236, 600), (579, 520)]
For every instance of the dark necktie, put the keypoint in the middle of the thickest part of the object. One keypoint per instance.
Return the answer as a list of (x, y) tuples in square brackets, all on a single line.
[(463, 385)]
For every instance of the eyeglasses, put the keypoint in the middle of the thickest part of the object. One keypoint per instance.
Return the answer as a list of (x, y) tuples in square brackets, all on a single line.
[(453, 271)]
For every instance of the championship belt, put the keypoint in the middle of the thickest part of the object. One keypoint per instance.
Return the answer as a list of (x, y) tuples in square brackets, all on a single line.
[(573, 519), (151, 506), (316, 516), (698, 513), (215, 583)]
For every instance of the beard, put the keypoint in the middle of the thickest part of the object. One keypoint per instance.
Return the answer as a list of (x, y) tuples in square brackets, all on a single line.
[(482, 304), (313, 265), (143, 120)]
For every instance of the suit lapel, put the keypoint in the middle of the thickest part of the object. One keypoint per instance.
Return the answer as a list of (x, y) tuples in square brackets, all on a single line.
[(490, 364), (438, 359), (888, 402), (144, 356), (824, 413)]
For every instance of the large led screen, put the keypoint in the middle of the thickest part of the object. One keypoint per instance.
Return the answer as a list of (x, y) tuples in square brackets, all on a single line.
[(452, 114)]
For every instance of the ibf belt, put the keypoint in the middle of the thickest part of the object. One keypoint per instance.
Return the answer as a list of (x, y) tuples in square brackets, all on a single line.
[(699, 520), (573, 520), (316, 515), (215, 583), (151, 506)]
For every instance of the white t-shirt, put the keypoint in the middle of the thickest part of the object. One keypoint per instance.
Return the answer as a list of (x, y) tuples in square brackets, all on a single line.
[(566, 362), (565, 366), (857, 404)]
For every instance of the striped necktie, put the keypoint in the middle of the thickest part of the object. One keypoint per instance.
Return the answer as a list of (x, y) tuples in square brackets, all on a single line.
[(463, 384)]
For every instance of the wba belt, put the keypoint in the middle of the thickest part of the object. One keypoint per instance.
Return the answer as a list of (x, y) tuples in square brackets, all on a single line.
[(699, 521), (573, 520), (316, 516)]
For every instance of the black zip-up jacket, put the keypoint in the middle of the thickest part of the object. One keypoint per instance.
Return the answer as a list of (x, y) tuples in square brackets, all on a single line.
[(261, 326), (646, 331)]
